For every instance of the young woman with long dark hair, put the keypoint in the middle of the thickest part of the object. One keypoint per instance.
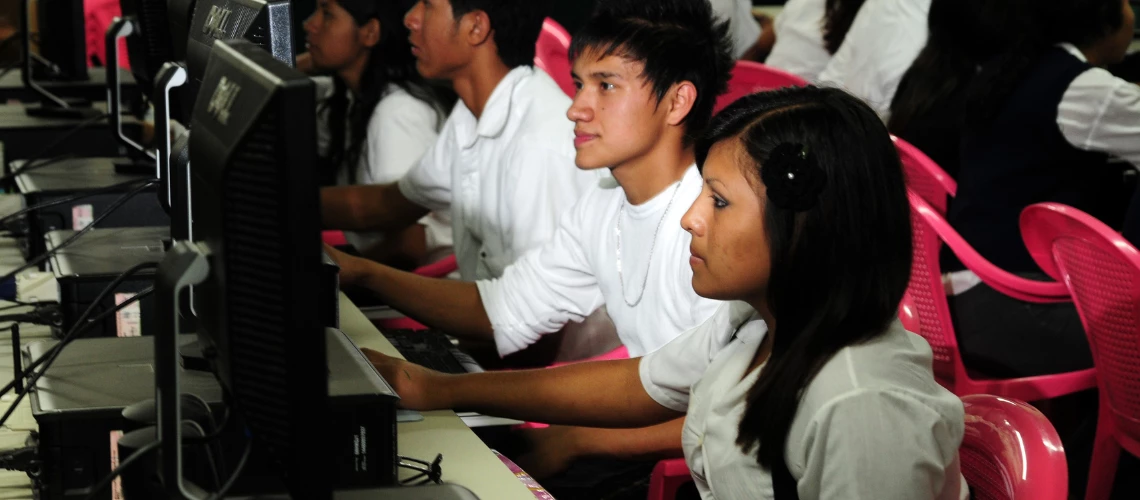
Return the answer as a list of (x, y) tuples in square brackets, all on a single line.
[(806, 386), (382, 115), (928, 109)]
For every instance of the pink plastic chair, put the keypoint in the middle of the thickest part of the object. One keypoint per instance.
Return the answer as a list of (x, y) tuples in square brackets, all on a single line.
[(552, 54), (1010, 451), (334, 238), (750, 77), (667, 478), (98, 16), (1102, 270), (925, 177), (926, 312)]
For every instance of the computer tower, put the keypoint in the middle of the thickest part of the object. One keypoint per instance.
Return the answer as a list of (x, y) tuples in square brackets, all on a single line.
[(78, 407), (96, 259), (77, 176)]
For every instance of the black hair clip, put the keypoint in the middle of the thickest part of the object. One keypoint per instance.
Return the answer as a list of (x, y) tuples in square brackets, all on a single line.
[(793, 179)]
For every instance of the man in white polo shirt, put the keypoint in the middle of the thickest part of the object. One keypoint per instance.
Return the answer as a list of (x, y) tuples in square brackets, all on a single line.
[(503, 166)]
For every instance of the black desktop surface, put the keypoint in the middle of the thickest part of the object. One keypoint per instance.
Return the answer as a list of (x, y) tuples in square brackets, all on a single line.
[(79, 175), (25, 136), (102, 376), (94, 88), (76, 174), (108, 252)]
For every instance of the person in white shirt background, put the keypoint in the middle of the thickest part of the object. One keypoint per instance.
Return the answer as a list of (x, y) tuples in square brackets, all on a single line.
[(882, 42), (647, 78), (863, 46), (503, 167), (1044, 122), (751, 36), (789, 391), (383, 115), (799, 48)]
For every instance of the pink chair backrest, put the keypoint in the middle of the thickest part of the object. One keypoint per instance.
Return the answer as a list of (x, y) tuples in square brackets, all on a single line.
[(334, 238), (925, 177), (750, 77), (552, 54), (1102, 271), (1010, 451), (925, 293), (98, 16), (997, 278)]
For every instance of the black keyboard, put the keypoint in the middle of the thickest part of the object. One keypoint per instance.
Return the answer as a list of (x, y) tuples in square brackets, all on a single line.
[(431, 349)]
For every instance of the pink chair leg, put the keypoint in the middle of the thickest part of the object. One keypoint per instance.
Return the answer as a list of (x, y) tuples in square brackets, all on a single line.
[(1106, 454), (667, 478)]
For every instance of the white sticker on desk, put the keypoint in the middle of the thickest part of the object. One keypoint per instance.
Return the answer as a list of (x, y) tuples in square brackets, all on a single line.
[(82, 216), (128, 321), (117, 484)]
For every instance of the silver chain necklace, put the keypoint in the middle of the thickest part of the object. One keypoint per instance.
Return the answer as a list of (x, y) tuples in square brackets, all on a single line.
[(652, 247)]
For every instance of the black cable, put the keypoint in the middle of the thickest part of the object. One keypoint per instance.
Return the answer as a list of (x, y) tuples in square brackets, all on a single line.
[(237, 472), (53, 353), (82, 324), (70, 199), (48, 254), (20, 459), (48, 314), (104, 483)]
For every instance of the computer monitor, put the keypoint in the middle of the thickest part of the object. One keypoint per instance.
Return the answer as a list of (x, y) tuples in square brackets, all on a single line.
[(181, 13), (152, 44), (256, 207), (62, 39), (266, 23), (62, 44)]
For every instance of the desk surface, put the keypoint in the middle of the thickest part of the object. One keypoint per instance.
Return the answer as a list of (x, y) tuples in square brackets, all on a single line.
[(466, 460)]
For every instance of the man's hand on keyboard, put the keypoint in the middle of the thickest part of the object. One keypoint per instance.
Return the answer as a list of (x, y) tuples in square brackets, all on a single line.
[(412, 382), (352, 269)]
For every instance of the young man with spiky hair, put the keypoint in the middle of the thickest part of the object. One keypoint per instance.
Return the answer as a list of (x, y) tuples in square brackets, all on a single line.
[(648, 74)]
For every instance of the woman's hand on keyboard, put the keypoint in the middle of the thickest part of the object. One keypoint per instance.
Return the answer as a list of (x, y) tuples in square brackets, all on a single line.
[(412, 382)]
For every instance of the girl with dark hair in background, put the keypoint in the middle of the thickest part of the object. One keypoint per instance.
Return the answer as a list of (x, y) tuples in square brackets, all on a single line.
[(789, 391), (382, 115), (1041, 123), (928, 110)]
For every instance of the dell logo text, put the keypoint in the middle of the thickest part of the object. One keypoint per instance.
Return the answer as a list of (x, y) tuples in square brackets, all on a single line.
[(223, 100), (216, 22)]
